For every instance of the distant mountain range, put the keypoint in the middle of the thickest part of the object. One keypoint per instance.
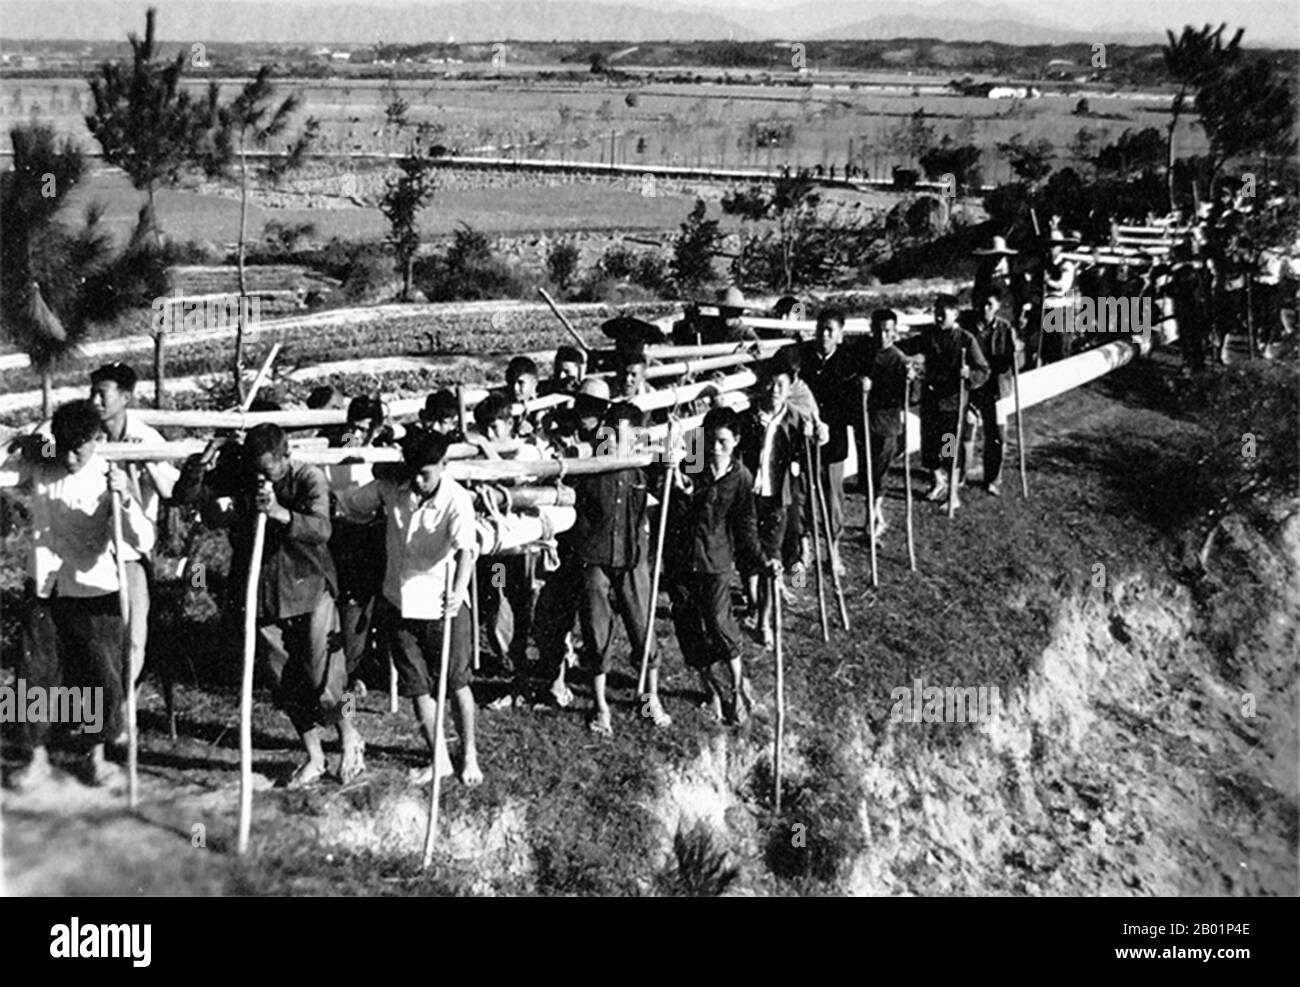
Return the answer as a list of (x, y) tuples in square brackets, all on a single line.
[(544, 20)]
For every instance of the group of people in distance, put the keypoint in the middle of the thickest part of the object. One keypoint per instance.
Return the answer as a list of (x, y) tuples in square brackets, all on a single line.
[(363, 562)]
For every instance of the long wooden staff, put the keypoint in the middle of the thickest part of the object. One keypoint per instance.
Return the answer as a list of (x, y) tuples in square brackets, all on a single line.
[(463, 413), (246, 688), (780, 692), (435, 788), (1020, 427), (867, 472), (817, 540), (124, 607), (657, 568), (820, 492), (582, 343), (956, 452), (907, 483)]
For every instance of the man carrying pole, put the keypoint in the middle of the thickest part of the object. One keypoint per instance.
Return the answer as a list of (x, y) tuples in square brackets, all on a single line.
[(297, 588), (890, 374), (430, 539), (998, 341), (953, 361), (73, 632)]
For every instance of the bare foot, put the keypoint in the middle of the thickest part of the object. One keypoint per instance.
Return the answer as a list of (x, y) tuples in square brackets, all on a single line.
[(470, 775), (354, 758), (307, 773)]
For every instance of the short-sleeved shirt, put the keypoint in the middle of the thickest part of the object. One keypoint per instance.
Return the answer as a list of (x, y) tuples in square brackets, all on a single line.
[(423, 535)]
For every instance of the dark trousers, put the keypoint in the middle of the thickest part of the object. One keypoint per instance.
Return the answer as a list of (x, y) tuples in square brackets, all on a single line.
[(557, 609), (75, 642), (506, 597), (780, 527), (702, 617), (357, 621), (939, 435), (885, 447), (308, 671), (598, 594), (416, 647), (994, 446)]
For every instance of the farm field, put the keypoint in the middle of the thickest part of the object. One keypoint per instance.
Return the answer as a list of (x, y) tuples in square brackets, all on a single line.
[(649, 122)]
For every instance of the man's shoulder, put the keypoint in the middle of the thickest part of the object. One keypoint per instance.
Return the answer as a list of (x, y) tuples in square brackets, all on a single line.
[(139, 431)]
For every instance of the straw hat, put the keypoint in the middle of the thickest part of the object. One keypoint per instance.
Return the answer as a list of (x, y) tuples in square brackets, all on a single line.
[(593, 393), (999, 249), (732, 298)]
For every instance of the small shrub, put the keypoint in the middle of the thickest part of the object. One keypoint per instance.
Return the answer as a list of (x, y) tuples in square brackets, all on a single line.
[(562, 263), (701, 870)]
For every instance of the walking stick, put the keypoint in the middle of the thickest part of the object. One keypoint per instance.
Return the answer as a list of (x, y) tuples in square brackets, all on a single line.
[(957, 443), (582, 343), (817, 542), (463, 414), (246, 688), (435, 789), (128, 679), (867, 471), (830, 546), (657, 568), (907, 485), (780, 692), (1020, 428)]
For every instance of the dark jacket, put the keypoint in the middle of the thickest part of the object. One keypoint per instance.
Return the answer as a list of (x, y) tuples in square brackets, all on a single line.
[(998, 342), (836, 383), (613, 526), (889, 388), (712, 527), (787, 448), (943, 350), (296, 566)]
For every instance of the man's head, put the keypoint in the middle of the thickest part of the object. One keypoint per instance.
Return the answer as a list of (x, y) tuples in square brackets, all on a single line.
[(946, 308), (630, 379), (830, 330), (776, 380), (441, 412), (731, 306), (988, 302), (266, 452), (324, 397), (425, 455), (365, 414), (591, 402), (721, 434), (76, 427), (884, 326), (493, 418), (521, 378), (112, 387), (568, 368)]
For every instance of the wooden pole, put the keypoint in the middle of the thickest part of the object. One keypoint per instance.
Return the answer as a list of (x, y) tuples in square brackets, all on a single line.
[(780, 693), (870, 483), (956, 452), (246, 688), (128, 679), (657, 569), (263, 373), (817, 541), (820, 491), (1020, 428), (474, 612), (435, 788), (907, 486), (582, 343)]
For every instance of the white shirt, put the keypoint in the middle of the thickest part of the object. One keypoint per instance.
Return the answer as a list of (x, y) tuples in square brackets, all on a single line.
[(422, 538), (72, 529), (765, 484)]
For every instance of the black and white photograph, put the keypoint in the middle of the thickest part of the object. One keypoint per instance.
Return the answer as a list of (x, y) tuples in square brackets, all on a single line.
[(595, 448)]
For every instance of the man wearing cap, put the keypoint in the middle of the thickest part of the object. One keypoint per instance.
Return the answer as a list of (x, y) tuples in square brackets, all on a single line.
[(994, 267), (729, 325), (953, 359), (112, 392)]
